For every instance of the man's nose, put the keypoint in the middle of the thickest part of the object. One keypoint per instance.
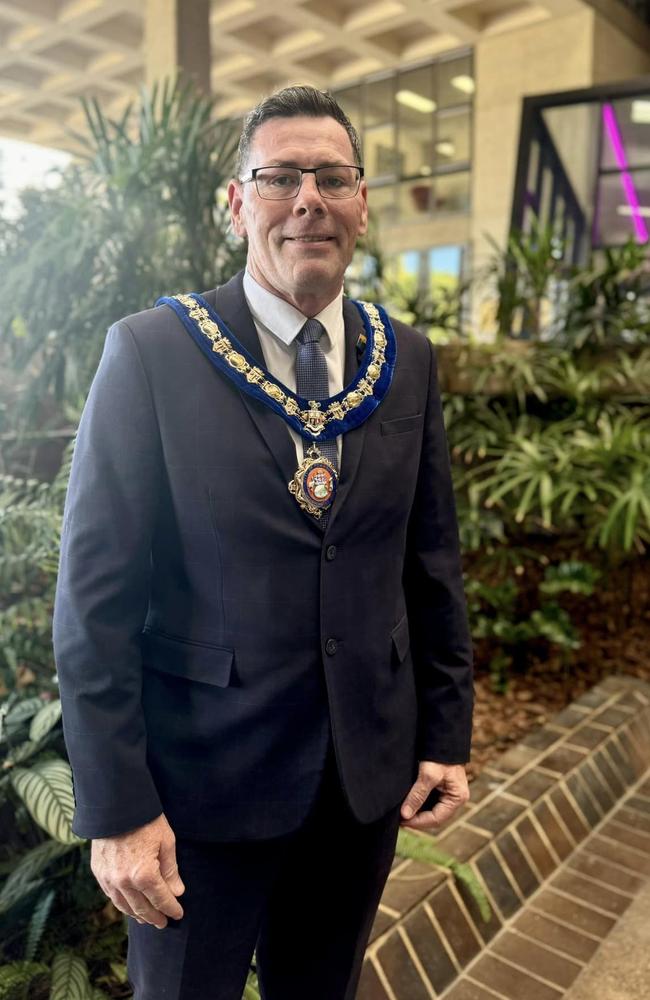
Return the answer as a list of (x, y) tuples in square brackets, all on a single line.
[(309, 198)]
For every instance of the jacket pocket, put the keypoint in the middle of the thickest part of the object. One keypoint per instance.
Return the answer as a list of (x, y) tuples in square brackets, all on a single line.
[(401, 425), (195, 661), (401, 639)]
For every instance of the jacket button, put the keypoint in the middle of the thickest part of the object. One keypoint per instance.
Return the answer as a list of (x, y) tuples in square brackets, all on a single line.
[(330, 552), (331, 647)]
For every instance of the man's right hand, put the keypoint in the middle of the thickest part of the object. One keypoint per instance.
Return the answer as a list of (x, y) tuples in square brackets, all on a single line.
[(138, 872)]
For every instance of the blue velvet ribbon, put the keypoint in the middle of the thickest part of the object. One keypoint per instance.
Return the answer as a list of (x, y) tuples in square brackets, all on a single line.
[(333, 428)]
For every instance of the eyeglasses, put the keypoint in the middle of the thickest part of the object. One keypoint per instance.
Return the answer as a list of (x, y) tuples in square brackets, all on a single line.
[(280, 183)]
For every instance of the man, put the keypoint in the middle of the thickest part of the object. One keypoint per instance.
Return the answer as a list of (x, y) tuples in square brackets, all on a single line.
[(260, 629)]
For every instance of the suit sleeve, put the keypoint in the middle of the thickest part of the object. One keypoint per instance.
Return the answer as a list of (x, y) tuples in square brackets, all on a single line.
[(440, 640), (103, 591)]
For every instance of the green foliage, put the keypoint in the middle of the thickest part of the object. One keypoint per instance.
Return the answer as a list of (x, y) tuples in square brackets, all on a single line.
[(251, 989), (17, 977), (501, 612), (523, 274), (69, 978), (141, 215), (421, 848), (46, 790), (37, 922), (30, 531), (29, 868)]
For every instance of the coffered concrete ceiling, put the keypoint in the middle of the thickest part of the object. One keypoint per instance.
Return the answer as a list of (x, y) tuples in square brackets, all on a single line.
[(53, 52)]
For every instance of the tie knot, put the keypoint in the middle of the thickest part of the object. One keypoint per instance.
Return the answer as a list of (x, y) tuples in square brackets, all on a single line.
[(311, 332)]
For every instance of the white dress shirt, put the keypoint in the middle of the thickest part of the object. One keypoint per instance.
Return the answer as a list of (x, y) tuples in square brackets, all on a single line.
[(278, 323)]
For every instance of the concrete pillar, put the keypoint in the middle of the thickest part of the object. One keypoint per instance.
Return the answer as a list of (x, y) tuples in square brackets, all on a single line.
[(177, 39)]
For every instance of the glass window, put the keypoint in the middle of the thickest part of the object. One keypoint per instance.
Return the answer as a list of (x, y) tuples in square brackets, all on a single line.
[(414, 106), (445, 267), (382, 203), (350, 101), (416, 199), (452, 192), (455, 82), (452, 143), (379, 153), (623, 208), (378, 102), (410, 147), (626, 134)]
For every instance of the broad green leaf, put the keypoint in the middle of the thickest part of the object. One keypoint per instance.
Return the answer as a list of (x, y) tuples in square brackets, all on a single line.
[(46, 790), (45, 719), (21, 712), (30, 866), (22, 752), (69, 978)]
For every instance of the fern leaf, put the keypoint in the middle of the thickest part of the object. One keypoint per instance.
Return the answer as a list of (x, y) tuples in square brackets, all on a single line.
[(37, 923), (18, 892), (69, 978), (46, 790), (466, 876), (25, 875), (419, 848), (16, 977)]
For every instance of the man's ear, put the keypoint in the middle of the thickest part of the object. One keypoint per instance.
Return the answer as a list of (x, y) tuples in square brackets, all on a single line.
[(363, 222), (236, 202)]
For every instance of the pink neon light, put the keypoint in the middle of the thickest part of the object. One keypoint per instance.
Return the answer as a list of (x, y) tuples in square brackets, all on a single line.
[(614, 134)]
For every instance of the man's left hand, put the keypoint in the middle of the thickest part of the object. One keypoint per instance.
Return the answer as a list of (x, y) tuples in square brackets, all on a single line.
[(449, 780)]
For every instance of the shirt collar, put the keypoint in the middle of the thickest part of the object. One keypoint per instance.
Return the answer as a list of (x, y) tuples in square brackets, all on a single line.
[(283, 320)]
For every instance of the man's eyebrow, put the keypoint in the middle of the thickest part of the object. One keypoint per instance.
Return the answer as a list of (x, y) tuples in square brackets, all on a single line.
[(294, 163)]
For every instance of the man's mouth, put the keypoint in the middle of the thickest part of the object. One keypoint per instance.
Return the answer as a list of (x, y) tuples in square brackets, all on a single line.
[(309, 239)]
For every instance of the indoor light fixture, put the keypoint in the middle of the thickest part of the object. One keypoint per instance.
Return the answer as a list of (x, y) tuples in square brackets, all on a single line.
[(415, 101), (445, 148), (641, 112), (627, 211), (464, 83)]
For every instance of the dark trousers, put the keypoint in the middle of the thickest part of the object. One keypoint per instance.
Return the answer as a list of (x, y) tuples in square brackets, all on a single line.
[(306, 902)]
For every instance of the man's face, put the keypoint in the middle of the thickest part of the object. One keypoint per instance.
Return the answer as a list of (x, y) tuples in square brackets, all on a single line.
[(299, 248)]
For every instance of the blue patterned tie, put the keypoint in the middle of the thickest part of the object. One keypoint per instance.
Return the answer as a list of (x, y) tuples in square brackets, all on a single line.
[(311, 378)]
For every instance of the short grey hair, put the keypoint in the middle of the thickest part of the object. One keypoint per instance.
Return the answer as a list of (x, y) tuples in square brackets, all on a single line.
[(292, 102)]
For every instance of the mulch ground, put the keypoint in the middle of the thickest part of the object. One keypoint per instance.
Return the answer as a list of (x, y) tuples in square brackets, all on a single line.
[(614, 625)]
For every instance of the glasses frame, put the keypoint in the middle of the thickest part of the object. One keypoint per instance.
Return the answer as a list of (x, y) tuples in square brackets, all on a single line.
[(303, 171)]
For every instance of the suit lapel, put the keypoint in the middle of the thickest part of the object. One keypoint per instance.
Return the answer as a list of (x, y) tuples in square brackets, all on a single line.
[(353, 440), (230, 304)]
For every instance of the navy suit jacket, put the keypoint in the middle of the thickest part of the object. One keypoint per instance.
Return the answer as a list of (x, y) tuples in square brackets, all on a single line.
[(210, 635)]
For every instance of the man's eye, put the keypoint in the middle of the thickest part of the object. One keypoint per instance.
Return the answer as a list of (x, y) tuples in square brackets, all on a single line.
[(333, 181), (281, 180)]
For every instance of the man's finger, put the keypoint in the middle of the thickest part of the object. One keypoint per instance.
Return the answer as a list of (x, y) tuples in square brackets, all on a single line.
[(142, 909), (416, 797), (161, 898), (433, 818), (169, 868), (122, 905)]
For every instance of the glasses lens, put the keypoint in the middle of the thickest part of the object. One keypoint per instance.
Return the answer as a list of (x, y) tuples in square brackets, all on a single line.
[(277, 182), (337, 182)]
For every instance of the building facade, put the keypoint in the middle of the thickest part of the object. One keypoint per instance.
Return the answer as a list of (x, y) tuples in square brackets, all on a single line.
[(436, 88)]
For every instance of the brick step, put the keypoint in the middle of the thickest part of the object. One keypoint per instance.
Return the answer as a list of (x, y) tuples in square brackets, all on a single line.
[(558, 835)]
